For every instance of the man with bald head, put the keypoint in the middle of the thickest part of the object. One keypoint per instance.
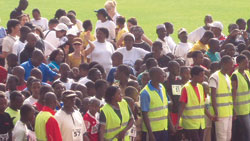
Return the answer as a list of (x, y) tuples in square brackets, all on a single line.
[(29, 47), (37, 61), (19, 72), (213, 51), (46, 126), (197, 34)]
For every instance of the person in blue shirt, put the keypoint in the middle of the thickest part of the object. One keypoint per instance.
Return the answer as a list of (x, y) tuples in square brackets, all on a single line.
[(36, 61), (214, 48), (56, 58)]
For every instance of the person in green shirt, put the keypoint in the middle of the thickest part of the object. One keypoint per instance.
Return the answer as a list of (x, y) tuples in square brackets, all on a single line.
[(16, 101)]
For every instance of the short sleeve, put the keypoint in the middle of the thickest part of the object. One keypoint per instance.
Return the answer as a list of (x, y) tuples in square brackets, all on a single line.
[(50, 72), (145, 101), (6, 45), (212, 82), (183, 97)]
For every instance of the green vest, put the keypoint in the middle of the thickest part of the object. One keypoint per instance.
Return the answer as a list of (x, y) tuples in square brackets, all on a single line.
[(13, 114), (40, 125), (193, 114), (113, 123), (248, 75), (158, 113), (224, 97)]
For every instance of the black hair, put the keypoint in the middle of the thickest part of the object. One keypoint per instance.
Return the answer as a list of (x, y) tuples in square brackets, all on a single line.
[(53, 21), (30, 79), (59, 13), (104, 30), (14, 95), (124, 69), (129, 91), (55, 83), (118, 55), (92, 72), (110, 92), (25, 110), (99, 83), (72, 11), (241, 47), (92, 64), (228, 45), (35, 80), (52, 56), (26, 93), (71, 16), (100, 68), (12, 23), (90, 84), (45, 88), (171, 63), (149, 62), (246, 53), (12, 57), (168, 25), (24, 30), (196, 53), (36, 10), (86, 24), (84, 66), (239, 21), (132, 20), (183, 68), (13, 77), (120, 20), (157, 44), (225, 59), (132, 83), (196, 70), (240, 58), (208, 34), (153, 71)]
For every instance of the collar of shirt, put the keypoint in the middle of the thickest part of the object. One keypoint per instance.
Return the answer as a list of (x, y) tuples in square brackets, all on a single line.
[(90, 114), (48, 109), (152, 88)]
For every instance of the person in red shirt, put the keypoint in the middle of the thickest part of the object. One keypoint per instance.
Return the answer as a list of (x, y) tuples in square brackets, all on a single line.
[(91, 123), (51, 127), (40, 103), (197, 74), (3, 74), (19, 72)]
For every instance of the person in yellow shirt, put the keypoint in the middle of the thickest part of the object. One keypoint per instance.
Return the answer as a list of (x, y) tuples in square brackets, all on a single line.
[(202, 44), (120, 30)]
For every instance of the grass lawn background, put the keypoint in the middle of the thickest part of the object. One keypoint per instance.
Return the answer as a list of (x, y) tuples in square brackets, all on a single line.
[(149, 13)]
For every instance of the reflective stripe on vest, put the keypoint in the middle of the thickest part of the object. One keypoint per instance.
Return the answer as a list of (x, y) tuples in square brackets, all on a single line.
[(113, 123), (40, 125), (158, 110), (193, 114), (242, 95), (224, 98)]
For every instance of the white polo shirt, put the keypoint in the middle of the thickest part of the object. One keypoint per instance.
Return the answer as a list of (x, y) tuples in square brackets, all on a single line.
[(72, 126)]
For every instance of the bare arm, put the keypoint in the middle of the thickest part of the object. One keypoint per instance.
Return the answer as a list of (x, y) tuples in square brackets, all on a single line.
[(180, 112), (148, 126), (101, 132)]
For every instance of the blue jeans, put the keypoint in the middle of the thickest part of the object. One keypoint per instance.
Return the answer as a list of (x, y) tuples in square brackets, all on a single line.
[(159, 135)]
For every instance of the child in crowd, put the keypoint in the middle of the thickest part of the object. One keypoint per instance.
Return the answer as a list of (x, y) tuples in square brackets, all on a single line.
[(83, 70), (11, 85), (91, 91), (101, 87), (185, 75), (12, 61), (20, 72), (90, 120), (5, 122), (35, 91), (74, 74), (120, 29), (64, 71)]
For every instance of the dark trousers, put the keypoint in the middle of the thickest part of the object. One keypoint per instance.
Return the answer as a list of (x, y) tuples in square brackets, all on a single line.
[(159, 135), (194, 134)]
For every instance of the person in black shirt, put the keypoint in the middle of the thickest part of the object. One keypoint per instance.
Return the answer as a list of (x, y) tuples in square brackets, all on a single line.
[(6, 124), (23, 4), (29, 48), (138, 32), (156, 53)]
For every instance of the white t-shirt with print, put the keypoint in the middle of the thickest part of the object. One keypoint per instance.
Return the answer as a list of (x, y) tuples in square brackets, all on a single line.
[(43, 23)]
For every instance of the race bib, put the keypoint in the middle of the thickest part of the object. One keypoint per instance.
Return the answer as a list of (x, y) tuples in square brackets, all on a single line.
[(4, 137), (132, 131), (77, 134), (176, 89)]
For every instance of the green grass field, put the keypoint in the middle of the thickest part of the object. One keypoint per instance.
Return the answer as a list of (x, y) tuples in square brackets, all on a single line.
[(149, 13)]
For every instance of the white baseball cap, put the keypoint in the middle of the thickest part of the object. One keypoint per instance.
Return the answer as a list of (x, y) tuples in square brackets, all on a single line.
[(216, 24), (160, 26), (71, 31), (61, 26), (65, 20), (130, 35)]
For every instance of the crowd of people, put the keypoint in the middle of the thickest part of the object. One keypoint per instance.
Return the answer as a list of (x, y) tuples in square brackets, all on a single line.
[(62, 80)]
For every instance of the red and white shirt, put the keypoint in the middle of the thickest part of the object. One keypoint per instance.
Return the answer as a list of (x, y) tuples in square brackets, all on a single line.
[(92, 125)]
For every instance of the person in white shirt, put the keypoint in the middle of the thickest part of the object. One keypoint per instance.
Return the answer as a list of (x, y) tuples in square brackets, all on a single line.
[(183, 47), (20, 131), (105, 21), (35, 90), (57, 37), (103, 49), (78, 22), (64, 71), (130, 53), (170, 29), (38, 20), (110, 6), (52, 24), (20, 44), (70, 120), (197, 34), (93, 75), (161, 33)]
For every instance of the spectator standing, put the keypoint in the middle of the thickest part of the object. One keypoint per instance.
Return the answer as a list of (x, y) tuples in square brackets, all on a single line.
[(38, 20)]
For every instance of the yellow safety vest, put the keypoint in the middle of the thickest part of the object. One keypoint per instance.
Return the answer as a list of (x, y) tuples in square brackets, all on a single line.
[(193, 114), (248, 75), (223, 97), (40, 125), (113, 123), (158, 113)]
